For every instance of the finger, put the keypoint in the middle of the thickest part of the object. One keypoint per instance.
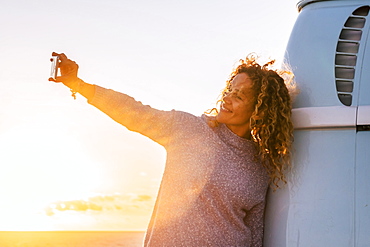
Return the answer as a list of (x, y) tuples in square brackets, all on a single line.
[(59, 78), (68, 66), (61, 56)]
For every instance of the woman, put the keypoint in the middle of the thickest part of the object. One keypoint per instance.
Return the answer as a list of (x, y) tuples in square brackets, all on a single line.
[(219, 165)]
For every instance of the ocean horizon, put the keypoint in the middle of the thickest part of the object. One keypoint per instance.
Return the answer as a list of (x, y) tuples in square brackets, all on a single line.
[(71, 238)]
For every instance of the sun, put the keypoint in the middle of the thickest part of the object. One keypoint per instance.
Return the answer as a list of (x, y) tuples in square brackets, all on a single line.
[(41, 164)]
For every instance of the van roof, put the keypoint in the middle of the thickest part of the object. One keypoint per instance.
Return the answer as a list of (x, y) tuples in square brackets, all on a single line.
[(302, 3)]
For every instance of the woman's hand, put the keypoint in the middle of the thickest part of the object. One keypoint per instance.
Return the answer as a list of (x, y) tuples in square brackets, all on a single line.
[(68, 70)]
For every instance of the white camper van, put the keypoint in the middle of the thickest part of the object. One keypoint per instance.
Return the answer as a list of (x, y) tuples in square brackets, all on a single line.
[(327, 200)]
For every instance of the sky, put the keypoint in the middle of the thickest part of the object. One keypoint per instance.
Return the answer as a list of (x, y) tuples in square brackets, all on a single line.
[(66, 166)]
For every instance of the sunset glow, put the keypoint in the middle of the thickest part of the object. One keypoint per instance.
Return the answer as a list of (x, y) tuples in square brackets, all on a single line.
[(52, 190), (66, 166)]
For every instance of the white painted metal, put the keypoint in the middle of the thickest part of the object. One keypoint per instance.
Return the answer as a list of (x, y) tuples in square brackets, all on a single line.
[(327, 199), (363, 116), (324, 117)]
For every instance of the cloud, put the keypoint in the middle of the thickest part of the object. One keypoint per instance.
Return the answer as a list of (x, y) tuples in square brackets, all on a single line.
[(130, 204)]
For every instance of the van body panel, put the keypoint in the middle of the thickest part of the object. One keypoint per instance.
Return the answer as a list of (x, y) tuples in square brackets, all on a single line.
[(326, 201)]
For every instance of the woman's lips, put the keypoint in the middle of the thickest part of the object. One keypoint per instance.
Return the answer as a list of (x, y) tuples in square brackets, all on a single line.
[(223, 108)]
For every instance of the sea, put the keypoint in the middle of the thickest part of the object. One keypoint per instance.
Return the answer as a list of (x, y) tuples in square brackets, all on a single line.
[(71, 239)]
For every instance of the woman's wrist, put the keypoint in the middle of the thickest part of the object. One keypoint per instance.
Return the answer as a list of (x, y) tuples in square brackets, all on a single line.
[(79, 86), (75, 86), (72, 84)]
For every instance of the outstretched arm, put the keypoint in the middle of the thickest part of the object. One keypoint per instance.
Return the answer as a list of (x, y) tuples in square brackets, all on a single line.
[(122, 108)]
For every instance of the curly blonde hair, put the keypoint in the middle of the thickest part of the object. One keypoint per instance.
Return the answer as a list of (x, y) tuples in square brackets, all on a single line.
[(270, 124)]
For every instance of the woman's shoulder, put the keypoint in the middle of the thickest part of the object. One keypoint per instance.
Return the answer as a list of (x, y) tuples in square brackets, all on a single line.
[(190, 123), (186, 118)]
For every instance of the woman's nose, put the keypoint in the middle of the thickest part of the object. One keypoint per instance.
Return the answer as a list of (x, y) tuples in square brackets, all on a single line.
[(226, 98)]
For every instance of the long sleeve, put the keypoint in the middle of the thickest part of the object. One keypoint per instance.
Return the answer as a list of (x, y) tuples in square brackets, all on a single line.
[(254, 220), (153, 123)]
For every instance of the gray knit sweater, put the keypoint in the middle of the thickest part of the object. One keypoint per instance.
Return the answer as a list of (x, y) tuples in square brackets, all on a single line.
[(212, 191)]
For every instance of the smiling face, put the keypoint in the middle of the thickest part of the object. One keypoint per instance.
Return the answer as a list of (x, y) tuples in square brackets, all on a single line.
[(238, 105)]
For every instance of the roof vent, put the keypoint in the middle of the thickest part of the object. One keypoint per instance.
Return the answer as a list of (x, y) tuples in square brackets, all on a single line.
[(346, 54)]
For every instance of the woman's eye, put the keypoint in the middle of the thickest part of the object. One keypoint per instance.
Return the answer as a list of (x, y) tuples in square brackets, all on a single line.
[(237, 95), (234, 94)]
